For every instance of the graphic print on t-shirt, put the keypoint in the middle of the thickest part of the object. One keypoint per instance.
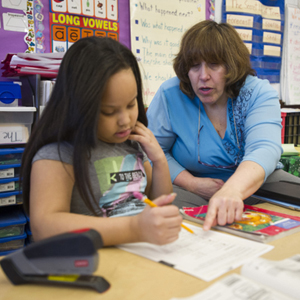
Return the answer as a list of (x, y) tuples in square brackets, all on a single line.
[(118, 178)]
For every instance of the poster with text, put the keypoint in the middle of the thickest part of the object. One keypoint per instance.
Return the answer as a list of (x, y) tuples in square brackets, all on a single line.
[(156, 31), (71, 20)]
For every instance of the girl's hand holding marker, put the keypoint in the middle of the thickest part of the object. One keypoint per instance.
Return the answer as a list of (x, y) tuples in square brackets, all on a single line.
[(152, 204)]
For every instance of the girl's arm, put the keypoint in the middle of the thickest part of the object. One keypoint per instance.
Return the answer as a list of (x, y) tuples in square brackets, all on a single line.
[(158, 176), (51, 189)]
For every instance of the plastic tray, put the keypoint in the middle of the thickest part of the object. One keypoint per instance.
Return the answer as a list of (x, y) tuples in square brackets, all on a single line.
[(9, 184), (10, 171), (12, 222), (11, 157), (11, 198), (12, 243)]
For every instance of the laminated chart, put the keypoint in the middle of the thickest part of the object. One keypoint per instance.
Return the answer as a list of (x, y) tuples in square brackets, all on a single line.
[(260, 25), (71, 20)]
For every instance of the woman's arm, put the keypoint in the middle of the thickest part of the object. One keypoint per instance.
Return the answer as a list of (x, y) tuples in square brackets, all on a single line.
[(262, 130), (227, 205), (262, 134), (51, 188), (204, 187)]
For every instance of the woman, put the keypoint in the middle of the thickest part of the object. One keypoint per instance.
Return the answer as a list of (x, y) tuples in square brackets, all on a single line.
[(218, 124)]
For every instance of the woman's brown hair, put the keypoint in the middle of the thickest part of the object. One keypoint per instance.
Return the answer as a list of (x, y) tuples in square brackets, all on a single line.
[(211, 42)]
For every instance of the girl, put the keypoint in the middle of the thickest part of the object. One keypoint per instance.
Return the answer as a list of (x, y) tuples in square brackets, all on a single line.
[(87, 155)]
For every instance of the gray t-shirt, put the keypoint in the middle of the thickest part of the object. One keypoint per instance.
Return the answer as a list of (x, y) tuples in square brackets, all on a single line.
[(115, 170)]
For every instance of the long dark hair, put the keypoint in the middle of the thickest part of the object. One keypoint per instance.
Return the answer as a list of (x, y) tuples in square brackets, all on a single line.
[(213, 43), (72, 113)]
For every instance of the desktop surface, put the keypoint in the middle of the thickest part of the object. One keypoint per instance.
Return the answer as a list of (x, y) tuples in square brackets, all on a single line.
[(134, 277)]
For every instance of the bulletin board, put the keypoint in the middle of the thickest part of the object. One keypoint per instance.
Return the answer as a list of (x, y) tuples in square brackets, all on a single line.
[(33, 33), (260, 24), (156, 31)]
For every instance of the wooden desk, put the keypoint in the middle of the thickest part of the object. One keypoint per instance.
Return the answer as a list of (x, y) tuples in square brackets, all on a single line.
[(133, 277)]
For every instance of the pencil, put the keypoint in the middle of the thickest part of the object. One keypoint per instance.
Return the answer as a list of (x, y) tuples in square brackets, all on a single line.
[(150, 203)]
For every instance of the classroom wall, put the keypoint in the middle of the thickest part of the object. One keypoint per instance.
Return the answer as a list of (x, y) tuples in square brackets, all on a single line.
[(13, 41), (218, 18)]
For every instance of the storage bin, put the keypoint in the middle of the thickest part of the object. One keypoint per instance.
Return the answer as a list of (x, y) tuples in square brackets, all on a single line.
[(9, 184), (3, 253), (12, 222), (10, 171), (15, 124), (10, 162), (11, 198), (10, 94), (290, 133), (29, 238), (12, 243), (11, 156)]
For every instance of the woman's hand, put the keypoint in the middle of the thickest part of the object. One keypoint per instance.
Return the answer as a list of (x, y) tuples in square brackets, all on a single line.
[(159, 225), (224, 207), (148, 142)]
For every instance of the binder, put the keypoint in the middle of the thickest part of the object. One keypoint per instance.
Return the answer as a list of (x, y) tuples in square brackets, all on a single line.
[(283, 191)]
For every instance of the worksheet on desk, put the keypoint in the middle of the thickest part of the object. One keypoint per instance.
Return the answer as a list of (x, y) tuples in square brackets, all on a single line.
[(204, 254)]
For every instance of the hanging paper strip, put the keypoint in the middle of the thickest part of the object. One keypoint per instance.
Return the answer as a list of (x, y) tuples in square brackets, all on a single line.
[(30, 36), (39, 26)]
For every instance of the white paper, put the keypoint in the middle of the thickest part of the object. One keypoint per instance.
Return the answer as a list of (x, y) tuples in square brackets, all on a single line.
[(205, 254), (236, 287), (13, 133), (15, 4), (290, 70), (15, 22), (283, 276)]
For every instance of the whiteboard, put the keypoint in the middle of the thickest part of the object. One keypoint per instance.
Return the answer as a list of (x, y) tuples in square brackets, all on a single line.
[(290, 78), (156, 30)]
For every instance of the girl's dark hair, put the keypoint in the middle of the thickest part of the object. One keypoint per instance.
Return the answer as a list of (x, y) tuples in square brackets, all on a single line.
[(72, 113), (213, 43)]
